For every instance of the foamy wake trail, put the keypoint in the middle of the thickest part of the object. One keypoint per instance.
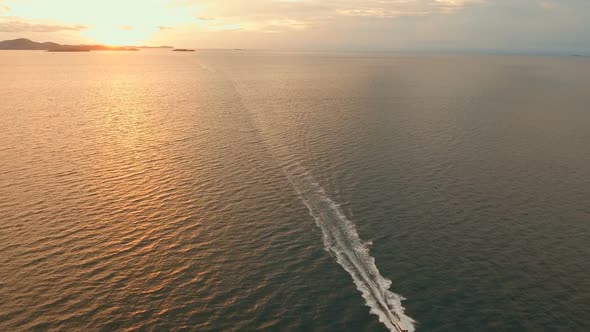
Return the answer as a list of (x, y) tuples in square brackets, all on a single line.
[(342, 240), (339, 234)]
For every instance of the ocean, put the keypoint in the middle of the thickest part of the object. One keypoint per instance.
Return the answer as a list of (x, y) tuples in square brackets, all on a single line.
[(293, 191)]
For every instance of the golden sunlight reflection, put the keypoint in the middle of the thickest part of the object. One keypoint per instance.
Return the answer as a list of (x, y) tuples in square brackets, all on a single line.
[(126, 133)]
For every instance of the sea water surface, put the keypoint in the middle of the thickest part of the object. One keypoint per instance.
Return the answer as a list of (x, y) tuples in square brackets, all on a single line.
[(277, 191)]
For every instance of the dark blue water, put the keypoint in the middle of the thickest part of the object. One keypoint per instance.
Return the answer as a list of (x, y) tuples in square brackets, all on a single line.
[(221, 191)]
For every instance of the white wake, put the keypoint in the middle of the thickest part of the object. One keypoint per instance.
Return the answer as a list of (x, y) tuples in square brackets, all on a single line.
[(339, 234), (341, 238)]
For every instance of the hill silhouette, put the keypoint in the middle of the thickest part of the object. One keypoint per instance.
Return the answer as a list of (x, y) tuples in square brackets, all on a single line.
[(27, 44)]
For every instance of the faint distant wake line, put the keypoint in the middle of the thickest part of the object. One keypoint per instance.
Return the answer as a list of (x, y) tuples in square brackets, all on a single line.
[(341, 238)]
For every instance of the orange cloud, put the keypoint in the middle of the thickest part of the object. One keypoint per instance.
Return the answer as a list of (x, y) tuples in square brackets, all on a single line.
[(18, 24), (548, 4)]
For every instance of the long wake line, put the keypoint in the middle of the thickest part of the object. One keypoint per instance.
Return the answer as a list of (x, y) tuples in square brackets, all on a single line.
[(339, 235), (341, 238)]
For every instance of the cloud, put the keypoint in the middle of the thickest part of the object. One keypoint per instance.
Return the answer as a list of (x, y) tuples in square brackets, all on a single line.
[(20, 25), (394, 9), (308, 24), (548, 4), (275, 25), (4, 9), (380, 12), (277, 15), (126, 27)]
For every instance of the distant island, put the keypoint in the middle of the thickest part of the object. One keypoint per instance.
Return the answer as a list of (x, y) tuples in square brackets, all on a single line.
[(27, 44), (68, 50), (88, 48), (183, 50)]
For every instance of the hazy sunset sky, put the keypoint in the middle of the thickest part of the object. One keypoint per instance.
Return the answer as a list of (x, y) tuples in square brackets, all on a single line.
[(511, 25)]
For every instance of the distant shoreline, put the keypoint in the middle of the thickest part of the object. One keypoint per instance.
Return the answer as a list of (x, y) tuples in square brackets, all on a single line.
[(23, 44), (68, 50)]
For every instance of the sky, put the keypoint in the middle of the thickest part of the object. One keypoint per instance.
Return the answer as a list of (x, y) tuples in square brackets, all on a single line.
[(461, 25)]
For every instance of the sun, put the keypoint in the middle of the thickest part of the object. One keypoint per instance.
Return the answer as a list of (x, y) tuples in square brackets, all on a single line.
[(124, 35)]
